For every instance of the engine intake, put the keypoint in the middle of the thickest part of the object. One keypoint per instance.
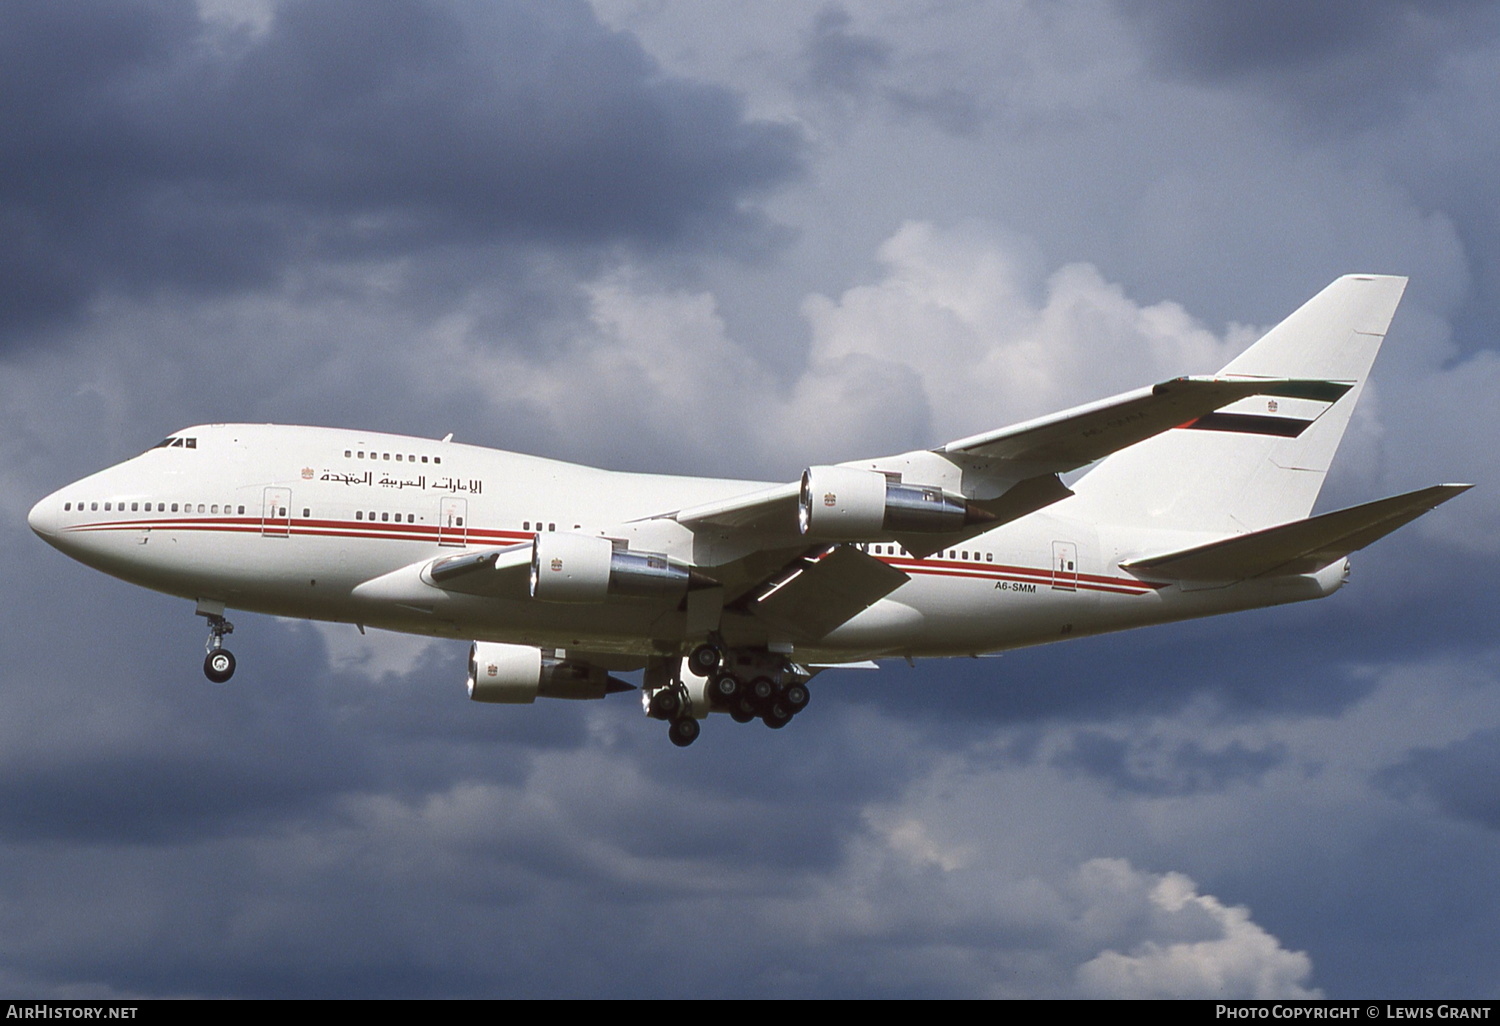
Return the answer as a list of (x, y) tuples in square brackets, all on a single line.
[(848, 504)]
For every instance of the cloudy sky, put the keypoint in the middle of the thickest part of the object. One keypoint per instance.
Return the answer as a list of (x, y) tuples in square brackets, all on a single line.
[(734, 238)]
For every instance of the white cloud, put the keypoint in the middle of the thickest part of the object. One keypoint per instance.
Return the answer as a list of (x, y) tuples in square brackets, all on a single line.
[(1194, 946), (955, 307)]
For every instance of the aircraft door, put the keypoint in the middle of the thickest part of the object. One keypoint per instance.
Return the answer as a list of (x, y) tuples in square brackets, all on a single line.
[(1064, 566), (453, 514), (276, 513)]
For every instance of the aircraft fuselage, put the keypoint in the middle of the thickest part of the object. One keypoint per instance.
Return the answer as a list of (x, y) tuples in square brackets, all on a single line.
[(293, 521)]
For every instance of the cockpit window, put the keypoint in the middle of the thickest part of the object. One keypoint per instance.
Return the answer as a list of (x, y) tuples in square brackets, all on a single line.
[(176, 442)]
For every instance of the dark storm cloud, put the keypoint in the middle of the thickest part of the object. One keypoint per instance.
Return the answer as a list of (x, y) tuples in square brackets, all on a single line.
[(1345, 58), (849, 64), (1150, 766), (146, 148), (1219, 38), (841, 59), (1459, 778)]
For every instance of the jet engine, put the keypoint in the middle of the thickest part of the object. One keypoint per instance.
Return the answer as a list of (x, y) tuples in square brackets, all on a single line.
[(848, 504), (569, 567), (518, 674)]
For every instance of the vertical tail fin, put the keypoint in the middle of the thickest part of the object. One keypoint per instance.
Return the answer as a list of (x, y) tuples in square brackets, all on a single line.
[(1261, 461)]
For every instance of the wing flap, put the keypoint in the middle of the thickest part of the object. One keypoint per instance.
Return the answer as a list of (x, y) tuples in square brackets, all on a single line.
[(1300, 547), (824, 590)]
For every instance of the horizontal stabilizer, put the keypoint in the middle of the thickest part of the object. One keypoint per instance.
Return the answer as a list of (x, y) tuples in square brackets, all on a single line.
[(1300, 547)]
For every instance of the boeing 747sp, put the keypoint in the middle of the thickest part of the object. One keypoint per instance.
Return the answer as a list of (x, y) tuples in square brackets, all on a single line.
[(733, 595)]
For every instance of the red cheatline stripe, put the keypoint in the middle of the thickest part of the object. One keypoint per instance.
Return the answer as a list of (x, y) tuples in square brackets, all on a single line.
[(1045, 578), (471, 536), (310, 528), (1034, 574)]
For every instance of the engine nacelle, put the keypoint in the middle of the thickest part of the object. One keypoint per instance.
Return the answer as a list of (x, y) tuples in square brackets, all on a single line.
[(569, 567), (519, 674), (848, 504)]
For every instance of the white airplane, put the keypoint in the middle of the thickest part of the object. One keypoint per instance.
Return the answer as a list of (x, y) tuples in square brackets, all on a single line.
[(732, 595)]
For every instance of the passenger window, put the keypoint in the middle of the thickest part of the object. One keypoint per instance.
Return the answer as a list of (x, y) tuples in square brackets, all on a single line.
[(386, 456), (242, 509), (385, 518), (359, 514), (398, 457), (460, 521), (424, 459), (200, 507), (174, 507), (411, 518), (437, 459), (94, 506), (526, 525), (551, 527), (989, 557), (215, 508), (347, 454), (306, 512), (361, 454), (67, 506)]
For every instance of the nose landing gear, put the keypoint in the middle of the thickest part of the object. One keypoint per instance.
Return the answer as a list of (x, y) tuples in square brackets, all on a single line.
[(218, 665)]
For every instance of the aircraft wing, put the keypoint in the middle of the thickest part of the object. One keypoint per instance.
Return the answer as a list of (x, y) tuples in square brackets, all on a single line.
[(1300, 547), (491, 572), (1014, 468), (746, 511), (822, 590), (1077, 437)]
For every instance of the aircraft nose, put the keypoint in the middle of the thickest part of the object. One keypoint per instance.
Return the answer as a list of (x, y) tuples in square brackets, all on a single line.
[(43, 517)]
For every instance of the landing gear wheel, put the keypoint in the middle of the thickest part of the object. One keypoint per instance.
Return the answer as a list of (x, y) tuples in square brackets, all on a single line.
[(775, 722), (218, 665), (684, 732), (665, 704), (796, 696), (704, 660), (740, 713), (724, 689)]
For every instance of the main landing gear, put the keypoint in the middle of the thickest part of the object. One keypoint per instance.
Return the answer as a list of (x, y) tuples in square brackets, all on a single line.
[(747, 684), (671, 702), (218, 665)]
